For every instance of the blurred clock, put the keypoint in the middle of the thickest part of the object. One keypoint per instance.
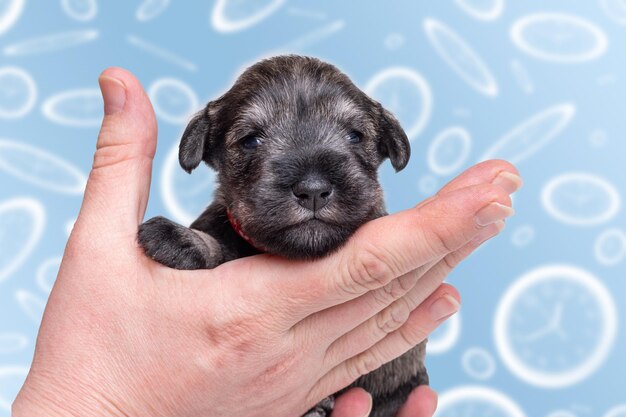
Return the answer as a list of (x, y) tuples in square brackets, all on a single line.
[(476, 401), (555, 326)]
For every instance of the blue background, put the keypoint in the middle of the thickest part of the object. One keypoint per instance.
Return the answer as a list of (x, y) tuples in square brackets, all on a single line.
[(593, 142)]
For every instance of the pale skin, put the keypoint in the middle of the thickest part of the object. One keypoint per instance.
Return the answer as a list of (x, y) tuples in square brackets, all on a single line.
[(259, 336)]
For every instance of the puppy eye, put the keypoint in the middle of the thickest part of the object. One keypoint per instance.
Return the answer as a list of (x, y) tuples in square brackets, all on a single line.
[(250, 143), (354, 137)]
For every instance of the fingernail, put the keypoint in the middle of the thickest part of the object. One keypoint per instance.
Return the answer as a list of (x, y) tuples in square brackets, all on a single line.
[(488, 232), (444, 307), (371, 403), (493, 212), (113, 94), (509, 181)]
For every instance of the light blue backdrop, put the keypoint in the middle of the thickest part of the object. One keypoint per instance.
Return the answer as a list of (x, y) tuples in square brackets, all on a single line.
[(541, 329)]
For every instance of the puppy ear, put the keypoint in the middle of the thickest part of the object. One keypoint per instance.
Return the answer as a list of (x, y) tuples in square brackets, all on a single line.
[(193, 143), (394, 143)]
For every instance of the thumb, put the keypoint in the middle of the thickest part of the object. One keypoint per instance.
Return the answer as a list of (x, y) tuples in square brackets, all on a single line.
[(422, 402), (117, 190), (356, 402)]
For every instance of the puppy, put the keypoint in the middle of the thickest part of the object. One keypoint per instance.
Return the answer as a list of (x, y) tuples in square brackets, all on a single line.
[(296, 146)]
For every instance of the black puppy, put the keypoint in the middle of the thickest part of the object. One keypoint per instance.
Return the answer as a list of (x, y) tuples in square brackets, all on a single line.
[(296, 146)]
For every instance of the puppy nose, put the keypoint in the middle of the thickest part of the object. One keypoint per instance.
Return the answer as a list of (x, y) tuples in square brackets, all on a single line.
[(313, 193)]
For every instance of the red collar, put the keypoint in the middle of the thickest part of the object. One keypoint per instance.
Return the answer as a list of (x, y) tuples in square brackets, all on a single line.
[(237, 227)]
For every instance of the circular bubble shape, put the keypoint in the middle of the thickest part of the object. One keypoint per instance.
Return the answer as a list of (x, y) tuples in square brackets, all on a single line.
[(76, 108), (586, 189), (41, 168), (11, 380), (37, 218), (558, 28), (221, 22), (531, 135), (523, 235), (610, 247), (486, 10), (460, 57), (150, 9), (478, 363), (468, 400), (14, 79), (561, 413), (31, 304), (445, 337), (12, 342), (200, 181), (617, 411), (81, 10), (578, 373), (51, 43), (47, 273), (444, 156), (615, 9), (167, 94), (10, 13), (385, 80)]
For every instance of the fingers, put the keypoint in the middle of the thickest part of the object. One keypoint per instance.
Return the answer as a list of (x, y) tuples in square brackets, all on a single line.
[(421, 322), (422, 402), (355, 402), (371, 331), (117, 190), (385, 309), (356, 312), (420, 236), (495, 171), (376, 313), (392, 246)]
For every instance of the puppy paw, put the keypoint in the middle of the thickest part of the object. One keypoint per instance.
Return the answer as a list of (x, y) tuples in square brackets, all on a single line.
[(177, 246), (322, 409)]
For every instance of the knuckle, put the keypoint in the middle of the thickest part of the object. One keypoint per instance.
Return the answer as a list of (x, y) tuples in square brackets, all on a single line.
[(381, 297), (363, 365), (369, 270), (396, 288), (414, 334), (441, 239), (390, 292), (233, 333), (115, 154), (450, 261), (407, 281), (392, 317), (491, 192)]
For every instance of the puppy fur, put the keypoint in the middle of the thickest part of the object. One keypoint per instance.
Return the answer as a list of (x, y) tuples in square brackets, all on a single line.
[(290, 120)]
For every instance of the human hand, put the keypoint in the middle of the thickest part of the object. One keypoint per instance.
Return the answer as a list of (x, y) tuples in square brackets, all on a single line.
[(123, 335), (356, 402)]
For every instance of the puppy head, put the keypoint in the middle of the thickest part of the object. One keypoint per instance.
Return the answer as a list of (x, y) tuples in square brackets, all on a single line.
[(297, 146)]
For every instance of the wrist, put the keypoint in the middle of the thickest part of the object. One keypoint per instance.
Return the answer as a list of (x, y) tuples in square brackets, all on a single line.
[(39, 400)]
